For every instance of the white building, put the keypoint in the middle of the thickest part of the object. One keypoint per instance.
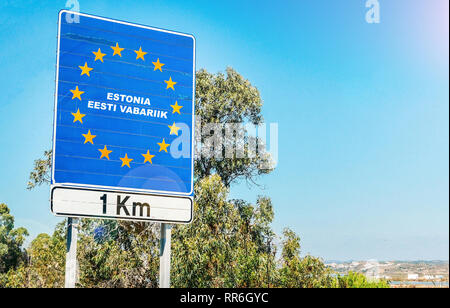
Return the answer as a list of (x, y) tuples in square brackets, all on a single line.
[(413, 276)]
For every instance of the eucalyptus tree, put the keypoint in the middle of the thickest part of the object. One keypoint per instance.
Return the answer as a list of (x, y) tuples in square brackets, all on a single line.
[(230, 243)]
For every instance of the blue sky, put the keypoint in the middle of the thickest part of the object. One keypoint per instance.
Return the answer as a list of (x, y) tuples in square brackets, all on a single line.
[(362, 111)]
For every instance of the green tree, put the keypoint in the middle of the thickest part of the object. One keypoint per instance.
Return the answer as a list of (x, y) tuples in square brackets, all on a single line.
[(11, 241), (118, 254), (220, 99), (44, 267), (358, 280), (41, 171), (229, 99), (298, 272), (227, 245), (230, 242)]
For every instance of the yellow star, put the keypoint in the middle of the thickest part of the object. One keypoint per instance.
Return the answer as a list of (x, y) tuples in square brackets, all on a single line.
[(99, 55), (140, 54), (163, 146), (170, 83), (85, 69), (117, 50), (148, 157), (76, 93), (158, 65), (78, 116), (88, 137), (176, 108), (126, 161), (105, 152), (173, 129)]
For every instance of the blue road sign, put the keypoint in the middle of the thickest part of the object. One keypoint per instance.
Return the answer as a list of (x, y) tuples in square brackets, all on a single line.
[(124, 107)]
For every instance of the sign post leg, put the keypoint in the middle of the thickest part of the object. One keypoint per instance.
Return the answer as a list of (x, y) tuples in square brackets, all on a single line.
[(164, 256), (71, 253)]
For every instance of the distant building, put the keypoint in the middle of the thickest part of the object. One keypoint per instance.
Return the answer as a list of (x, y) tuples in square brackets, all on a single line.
[(413, 276), (372, 270)]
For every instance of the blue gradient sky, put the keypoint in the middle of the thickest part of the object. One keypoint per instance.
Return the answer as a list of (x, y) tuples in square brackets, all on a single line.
[(362, 109)]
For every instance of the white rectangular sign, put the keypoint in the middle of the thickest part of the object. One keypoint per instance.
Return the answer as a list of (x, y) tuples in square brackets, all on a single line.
[(117, 119), (103, 204)]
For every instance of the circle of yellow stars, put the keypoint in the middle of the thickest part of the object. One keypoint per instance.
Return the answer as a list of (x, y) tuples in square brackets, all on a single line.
[(78, 116)]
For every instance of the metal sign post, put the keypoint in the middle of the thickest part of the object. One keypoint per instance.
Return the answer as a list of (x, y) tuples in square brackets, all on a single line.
[(71, 255), (164, 256)]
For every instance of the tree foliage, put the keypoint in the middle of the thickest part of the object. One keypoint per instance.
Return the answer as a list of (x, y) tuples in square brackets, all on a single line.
[(358, 280), (229, 99), (44, 265), (118, 254), (229, 244), (307, 272), (41, 171)]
